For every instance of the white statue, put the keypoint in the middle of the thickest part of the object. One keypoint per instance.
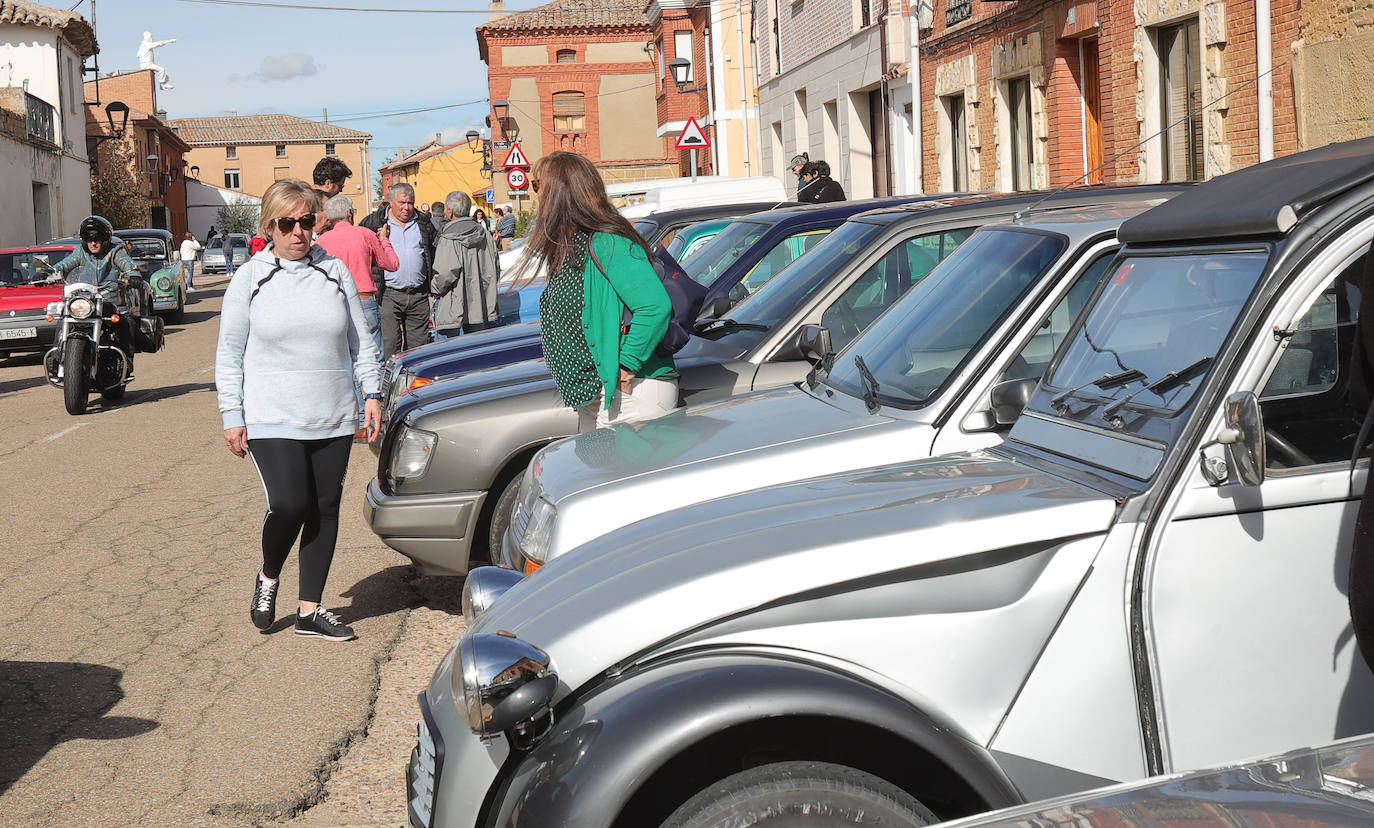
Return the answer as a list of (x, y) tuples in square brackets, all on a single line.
[(145, 58)]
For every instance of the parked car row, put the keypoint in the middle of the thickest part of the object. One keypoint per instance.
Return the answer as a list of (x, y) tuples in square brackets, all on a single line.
[(982, 500)]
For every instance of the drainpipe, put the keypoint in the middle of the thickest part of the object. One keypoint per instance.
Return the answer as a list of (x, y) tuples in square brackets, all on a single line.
[(743, 85), (1264, 64), (886, 99), (914, 72)]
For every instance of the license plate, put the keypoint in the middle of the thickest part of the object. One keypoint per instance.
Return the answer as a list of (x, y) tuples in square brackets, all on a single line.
[(19, 333)]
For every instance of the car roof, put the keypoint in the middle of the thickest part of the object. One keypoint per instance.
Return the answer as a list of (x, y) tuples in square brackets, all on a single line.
[(1082, 222), (57, 244), (1029, 206), (1265, 199), (692, 214), (144, 233), (834, 209)]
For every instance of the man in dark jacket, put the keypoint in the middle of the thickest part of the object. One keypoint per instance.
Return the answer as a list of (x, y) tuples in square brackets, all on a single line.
[(820, 187), (465, 272), (404, 305)]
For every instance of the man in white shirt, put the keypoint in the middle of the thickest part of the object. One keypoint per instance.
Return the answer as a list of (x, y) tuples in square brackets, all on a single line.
[(190, 250)]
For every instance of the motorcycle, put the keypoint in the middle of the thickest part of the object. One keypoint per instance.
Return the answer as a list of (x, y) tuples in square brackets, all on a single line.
[(84, 356)]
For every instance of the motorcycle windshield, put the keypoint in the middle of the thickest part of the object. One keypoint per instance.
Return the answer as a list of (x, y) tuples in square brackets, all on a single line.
[(82, 276)]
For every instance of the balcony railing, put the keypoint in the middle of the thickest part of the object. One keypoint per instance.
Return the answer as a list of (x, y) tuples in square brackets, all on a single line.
[(40, 118)]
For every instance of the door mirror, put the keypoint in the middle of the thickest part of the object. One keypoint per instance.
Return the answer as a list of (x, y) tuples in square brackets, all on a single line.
[(716, 307), (1243, 437), (813, 343), (1010, 398)]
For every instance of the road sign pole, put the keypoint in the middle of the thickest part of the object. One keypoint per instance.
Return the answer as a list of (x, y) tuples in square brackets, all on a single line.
[(694, 166)]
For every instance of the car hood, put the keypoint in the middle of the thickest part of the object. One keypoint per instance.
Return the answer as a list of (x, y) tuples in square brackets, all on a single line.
[(476, 386), (28, 297), (488, 340), (635, 589)]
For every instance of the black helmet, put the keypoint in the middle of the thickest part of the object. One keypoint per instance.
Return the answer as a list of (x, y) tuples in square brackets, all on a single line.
[(95, 228)]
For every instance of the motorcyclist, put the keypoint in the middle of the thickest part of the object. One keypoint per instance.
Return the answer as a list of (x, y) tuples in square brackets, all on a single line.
[(105, 256)]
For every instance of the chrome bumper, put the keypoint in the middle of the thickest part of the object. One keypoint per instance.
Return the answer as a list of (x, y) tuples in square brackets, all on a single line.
[(433, 530)]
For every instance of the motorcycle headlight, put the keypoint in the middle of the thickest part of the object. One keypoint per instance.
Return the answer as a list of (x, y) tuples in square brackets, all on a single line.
[(81, 307), (534, 545), (414, 449), (483, 586), (505, 684), (163, 283)]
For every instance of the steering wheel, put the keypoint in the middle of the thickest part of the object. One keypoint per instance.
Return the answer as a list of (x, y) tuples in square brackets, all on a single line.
[(17, 275), (1290, 455)]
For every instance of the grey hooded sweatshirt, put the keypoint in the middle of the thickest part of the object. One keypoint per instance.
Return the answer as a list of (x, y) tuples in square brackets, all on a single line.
[(292, 338), (465, 275)]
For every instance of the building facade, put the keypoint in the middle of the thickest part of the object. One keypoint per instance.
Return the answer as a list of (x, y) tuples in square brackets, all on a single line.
[(713, 36), (158, 152), (576, 77), (829, 85), (45, 189), (246, 153), (437, 169)]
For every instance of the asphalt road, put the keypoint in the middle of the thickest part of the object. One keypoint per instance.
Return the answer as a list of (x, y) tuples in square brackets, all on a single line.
[(133, 688)]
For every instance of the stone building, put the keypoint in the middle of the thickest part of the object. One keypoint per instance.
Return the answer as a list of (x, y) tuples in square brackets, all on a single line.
[(246, 153), (1017, 96), (577, 77), (45, 189), (1333, 66)]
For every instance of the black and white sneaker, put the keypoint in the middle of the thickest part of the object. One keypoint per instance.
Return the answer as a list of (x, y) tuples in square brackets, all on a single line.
[(323, 624), (264, 607)]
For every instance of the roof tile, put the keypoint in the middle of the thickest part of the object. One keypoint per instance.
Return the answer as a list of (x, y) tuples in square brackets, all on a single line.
[(575, 14), (73, 25), (261, 129)]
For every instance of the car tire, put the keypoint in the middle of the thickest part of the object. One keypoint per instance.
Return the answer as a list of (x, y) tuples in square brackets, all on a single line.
[(177, 316), (781, 793), (500, 517)]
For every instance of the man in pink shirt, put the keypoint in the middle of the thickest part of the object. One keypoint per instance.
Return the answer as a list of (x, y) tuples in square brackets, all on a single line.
[(361, 250)]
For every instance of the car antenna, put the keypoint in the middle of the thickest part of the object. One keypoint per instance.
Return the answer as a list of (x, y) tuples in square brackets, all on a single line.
[(1023, 211)]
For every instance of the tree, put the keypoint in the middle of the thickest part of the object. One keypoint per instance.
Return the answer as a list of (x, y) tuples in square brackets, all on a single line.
[(118, 192), (237, 217)]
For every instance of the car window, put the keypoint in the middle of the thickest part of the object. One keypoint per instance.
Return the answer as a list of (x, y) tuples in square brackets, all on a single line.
[(722, 251), (23, 267), (696, 244), (146, 248), (1306, 397), (783, 254), (1034, 357), (883, 283)]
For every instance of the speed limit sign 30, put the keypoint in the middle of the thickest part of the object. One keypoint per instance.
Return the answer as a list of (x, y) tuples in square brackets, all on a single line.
[(516, 178)]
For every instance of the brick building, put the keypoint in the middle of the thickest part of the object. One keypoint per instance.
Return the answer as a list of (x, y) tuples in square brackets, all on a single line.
[(576, 77), (157, 149), (437, 169), (246, 153), (1019, 96)]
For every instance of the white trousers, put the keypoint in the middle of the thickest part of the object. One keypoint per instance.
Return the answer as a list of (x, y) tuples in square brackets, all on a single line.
[(648, 398)]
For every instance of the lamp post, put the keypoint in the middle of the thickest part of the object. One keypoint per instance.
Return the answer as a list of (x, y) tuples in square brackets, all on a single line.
[(93, 142), (680, 67)]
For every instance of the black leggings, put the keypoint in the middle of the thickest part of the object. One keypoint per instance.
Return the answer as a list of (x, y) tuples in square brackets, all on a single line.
[(304, 483)]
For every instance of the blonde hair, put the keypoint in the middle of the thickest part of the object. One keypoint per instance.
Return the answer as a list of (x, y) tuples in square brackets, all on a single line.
[(281, 197)]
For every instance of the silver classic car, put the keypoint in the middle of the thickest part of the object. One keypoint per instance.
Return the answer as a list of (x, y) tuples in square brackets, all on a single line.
[(981, 327), (1145, 577)]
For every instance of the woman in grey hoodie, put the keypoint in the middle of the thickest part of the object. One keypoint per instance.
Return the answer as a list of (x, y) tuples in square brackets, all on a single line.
[(292, 338)]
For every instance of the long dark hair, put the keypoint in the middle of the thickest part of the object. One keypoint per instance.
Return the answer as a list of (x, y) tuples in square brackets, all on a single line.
[(572, 198)]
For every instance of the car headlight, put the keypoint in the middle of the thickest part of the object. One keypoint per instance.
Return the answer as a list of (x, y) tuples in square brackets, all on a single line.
[(506, 685), (534, 545), (483, 586), (414, 449), (53, 309), (163, 283), (81, 307)]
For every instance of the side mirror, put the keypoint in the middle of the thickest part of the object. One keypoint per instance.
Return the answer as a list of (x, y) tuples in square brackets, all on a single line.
[(813, 343), (1243, 437), (716, 307), (1010, 398)]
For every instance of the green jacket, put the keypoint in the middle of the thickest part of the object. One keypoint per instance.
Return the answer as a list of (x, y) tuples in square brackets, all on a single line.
[(629, 282)]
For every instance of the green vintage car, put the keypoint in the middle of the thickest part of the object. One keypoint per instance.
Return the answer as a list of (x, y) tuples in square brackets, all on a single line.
[(153, 252)]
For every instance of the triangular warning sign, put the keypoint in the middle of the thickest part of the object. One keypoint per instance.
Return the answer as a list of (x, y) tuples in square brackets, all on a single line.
[(693, 136), (516, 158)]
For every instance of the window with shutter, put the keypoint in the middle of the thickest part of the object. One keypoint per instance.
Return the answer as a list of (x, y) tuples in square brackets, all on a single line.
[(1180, 92), (569, 111)]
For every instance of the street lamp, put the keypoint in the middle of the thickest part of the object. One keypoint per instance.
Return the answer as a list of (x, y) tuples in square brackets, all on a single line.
[(500, 108), (681, 68)]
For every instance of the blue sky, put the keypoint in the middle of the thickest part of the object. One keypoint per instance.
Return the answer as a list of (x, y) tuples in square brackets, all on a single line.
[(256, 60)]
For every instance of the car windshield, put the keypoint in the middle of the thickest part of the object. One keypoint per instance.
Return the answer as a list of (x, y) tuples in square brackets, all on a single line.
[(146, 248), (916, 346), (217, 244), (777, 298), (646, 229), (22, 268), (1147, 343), (722, 251)]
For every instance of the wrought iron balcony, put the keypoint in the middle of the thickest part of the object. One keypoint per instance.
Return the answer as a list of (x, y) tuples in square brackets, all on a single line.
[(40, 119)]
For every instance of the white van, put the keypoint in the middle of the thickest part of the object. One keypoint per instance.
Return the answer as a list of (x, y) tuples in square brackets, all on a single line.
[(675, 193)]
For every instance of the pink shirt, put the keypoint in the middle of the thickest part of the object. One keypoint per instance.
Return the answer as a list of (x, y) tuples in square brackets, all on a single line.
[(359, 248)]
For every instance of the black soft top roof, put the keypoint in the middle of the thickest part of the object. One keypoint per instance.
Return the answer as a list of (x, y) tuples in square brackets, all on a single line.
[(1262, 200)]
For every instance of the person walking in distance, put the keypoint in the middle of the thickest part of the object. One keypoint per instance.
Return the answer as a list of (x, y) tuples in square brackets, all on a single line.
[(820, 187), (797, 164), (190, 249), (598, 268), (405, 296), (505, 227), (360, 250), (436, 216), (465, 271), (292, 339)]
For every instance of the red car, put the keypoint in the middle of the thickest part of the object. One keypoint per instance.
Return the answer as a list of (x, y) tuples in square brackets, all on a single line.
[(23, 304)]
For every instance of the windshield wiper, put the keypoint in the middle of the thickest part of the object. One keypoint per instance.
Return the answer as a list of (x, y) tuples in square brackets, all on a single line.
[(1104, 382), (1159, 387), (870, 385), (728, 325)]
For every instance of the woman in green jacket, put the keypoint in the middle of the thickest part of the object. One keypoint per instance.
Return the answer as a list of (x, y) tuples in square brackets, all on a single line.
[(598, 268)]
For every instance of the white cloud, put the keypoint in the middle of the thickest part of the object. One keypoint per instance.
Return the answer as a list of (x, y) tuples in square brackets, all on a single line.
[(285, 67)]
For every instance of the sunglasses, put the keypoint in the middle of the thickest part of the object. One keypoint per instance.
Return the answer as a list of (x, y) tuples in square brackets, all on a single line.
[(286, 224)]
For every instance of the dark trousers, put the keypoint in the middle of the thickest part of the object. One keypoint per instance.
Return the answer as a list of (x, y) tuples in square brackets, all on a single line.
[(405, 320), (304, 482)]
